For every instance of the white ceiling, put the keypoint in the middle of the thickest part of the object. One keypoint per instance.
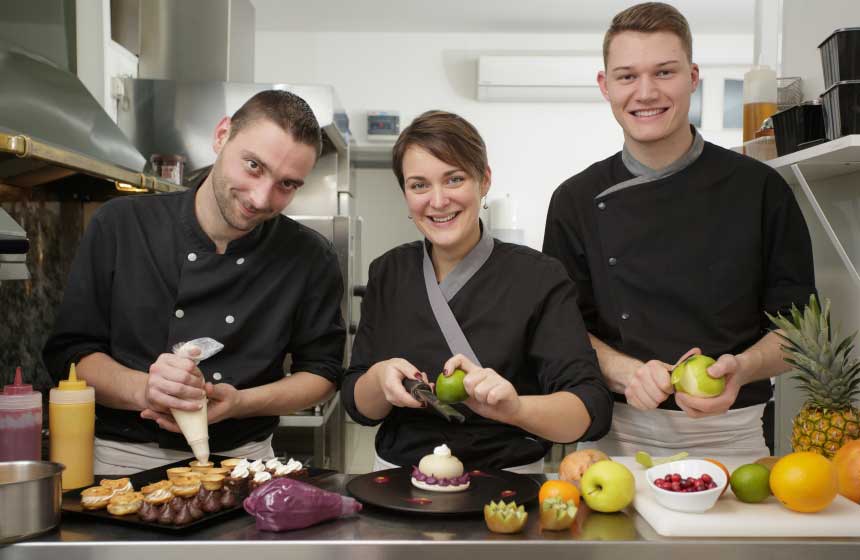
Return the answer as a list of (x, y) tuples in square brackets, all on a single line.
[(485, 16)]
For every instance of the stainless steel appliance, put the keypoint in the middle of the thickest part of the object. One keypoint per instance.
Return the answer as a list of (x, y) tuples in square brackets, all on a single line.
[(30, 497)]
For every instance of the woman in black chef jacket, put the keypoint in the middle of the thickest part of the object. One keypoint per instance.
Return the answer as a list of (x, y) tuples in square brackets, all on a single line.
[(503, 313)]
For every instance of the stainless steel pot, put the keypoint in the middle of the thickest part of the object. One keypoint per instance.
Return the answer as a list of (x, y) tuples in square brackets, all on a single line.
[(31, 493)]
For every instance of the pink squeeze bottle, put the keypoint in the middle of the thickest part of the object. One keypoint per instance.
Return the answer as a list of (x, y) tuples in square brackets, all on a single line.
[(20, 422)]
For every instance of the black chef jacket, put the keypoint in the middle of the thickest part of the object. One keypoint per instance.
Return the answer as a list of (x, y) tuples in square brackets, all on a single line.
[(146, 276), (518, 313), (692, 259)]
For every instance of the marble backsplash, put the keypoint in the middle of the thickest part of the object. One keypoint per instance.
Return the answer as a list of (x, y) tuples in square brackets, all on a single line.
[(28, 307)]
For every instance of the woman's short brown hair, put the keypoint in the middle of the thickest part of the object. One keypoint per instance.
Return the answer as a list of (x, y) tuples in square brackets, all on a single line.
[(285, 109), (650, 17), (446, 136)]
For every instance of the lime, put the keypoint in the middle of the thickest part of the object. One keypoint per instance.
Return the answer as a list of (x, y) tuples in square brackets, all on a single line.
[(450, 388), (750, 483)]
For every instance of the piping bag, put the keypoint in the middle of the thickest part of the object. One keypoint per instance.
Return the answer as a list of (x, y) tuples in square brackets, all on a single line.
[(195, 424)]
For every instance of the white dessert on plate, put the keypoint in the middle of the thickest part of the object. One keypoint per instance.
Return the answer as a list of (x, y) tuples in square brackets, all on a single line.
[(440, 472)]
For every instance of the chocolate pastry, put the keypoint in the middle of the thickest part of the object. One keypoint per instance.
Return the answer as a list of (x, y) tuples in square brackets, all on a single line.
[(149, 513), (176, 504), (228, 499), (194, 510), (183, 516), (167, 516), (212, 503), (239, 486)]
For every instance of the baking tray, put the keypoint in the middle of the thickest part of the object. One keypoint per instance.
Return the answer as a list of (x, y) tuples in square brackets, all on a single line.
[(72, 499), (392, 489)]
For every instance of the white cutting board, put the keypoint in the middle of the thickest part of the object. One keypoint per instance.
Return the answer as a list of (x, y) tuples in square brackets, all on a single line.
[(732, 518)]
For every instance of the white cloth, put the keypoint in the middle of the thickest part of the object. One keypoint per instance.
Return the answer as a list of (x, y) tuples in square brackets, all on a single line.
[(737, 433), (121, 458), (380, 464)]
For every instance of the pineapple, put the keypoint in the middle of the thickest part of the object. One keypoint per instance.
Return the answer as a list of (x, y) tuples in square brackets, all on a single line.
[(829, 377)]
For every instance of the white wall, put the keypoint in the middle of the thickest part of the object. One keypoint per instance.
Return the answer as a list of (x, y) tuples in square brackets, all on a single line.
[(805, 24), (532, 146)]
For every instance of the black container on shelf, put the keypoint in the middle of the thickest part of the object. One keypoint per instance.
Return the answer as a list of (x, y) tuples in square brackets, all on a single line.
[(841, 109), (797, 125), (840, 56)]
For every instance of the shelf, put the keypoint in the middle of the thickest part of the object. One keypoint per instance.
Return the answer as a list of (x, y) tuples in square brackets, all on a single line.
[(824, 161), (311, 420)]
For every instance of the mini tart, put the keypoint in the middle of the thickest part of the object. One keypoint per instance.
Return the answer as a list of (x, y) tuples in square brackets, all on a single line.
[(213, 481), (231, 463), (125, 504), (160, 485), (117, 485), (201, 467), (223, 471), (96, 497), (158, 496), (177, 471), (185, 486)]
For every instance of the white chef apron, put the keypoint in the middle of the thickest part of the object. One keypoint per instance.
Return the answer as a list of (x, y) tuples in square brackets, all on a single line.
[(737, 433), (380, 464), (121, 458)]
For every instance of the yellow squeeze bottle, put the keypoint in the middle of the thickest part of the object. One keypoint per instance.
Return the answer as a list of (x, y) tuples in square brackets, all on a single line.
[(72, 420)]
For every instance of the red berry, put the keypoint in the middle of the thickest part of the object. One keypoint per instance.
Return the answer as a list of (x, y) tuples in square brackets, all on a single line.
[(676, 478), (706, 478), (676, 486)]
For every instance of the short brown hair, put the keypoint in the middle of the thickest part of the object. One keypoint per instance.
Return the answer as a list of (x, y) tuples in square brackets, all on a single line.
[(285, 109), (448, 137), (650, 17)]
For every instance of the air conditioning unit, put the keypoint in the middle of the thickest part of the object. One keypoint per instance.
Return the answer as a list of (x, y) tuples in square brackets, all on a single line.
[(539, 78)]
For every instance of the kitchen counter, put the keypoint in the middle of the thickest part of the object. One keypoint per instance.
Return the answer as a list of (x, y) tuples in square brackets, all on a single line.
[(382, 534)]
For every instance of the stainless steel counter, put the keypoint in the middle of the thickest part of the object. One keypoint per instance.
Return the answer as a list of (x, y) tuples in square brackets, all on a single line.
[(381, 534)]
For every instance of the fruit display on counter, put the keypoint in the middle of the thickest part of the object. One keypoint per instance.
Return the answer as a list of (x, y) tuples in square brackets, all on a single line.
[(559, 489), (608, 486), (450, 388), (691, 377), (847, 462), (804, 481), (574, 465), (828, 376), (768, 462), (751, 483), (504, 517)]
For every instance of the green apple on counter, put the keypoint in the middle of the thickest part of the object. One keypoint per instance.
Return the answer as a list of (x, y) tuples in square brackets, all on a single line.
[(691, 377), (450, 388), (608, 486)]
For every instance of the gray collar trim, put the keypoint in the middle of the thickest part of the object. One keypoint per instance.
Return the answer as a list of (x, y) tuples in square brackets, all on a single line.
[(466, 268), (644, 174)]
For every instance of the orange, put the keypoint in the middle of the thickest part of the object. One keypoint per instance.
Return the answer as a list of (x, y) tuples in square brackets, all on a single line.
[(804, 481), (725, 470), (559, 488), (847, 461)]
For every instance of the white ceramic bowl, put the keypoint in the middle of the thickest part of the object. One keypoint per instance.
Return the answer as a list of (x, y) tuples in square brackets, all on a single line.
[(690, 502)]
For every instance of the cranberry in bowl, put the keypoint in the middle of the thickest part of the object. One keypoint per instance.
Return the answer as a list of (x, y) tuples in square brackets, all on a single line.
[(691, 485)]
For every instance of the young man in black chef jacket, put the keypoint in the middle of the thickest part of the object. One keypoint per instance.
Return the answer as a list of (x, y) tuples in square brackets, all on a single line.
[(677, 246), (218, 260)]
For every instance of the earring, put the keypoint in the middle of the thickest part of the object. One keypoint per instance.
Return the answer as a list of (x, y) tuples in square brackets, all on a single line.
[(484, 203), (409, 216)]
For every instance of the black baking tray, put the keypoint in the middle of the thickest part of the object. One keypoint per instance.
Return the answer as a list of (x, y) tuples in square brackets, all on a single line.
[(72, 499)]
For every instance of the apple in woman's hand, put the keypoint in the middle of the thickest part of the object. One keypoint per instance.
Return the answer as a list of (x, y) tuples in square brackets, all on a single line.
[(450, 389)]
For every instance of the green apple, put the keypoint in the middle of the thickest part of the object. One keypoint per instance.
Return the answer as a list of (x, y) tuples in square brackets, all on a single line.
[(608, 486), (450, 389), (691, 377)]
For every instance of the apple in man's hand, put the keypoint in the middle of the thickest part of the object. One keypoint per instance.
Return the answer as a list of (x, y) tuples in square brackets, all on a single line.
[(608, 486)]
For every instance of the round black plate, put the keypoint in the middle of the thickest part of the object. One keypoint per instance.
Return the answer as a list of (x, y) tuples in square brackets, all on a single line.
[(392, 489)]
